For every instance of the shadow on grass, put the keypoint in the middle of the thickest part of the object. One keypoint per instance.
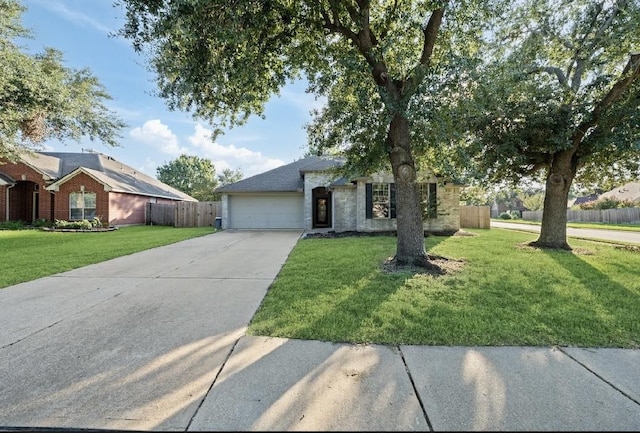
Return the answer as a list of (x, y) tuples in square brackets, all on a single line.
[(335, 299), (604, 310)]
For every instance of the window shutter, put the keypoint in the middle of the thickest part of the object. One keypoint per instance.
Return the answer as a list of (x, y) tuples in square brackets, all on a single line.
[(369, 201), (433, 201), (392, 204)]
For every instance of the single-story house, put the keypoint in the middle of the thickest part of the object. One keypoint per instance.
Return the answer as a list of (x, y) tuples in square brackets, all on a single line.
[(627, 192), (77, 186), (308, 194)]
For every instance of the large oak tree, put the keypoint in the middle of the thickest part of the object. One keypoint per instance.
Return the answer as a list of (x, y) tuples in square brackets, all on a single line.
[(379, 63), (560, 99), (41, 99)]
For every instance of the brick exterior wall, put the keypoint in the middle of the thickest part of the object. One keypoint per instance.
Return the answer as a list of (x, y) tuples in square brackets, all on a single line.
[(115, 208), (21, 196), (62, 211)]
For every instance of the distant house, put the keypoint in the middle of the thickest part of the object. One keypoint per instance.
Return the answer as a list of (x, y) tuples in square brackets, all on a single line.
[(76, 186), (628, 192), (582, 199), (307, 194)]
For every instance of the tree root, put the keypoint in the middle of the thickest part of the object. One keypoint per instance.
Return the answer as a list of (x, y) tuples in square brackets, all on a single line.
[(429, 264), (546, 246)]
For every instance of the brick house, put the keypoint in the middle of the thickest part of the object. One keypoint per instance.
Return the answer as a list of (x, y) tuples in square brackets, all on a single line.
[(307, 194), (76, 186)]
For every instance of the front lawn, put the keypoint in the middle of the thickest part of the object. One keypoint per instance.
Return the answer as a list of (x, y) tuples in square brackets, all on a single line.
[(29, 254), (504, 294)]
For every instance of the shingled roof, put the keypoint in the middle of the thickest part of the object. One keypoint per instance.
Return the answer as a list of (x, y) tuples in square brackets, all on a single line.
[(58, 167), (628, 192), (286, 178)]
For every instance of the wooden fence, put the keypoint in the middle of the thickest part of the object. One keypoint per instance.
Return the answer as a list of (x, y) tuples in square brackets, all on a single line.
[(628, 215), (475, 217), (184, 213)]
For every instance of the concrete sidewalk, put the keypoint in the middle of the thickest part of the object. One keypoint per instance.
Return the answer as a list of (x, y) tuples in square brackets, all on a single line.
[(598, 234), (156, 341)]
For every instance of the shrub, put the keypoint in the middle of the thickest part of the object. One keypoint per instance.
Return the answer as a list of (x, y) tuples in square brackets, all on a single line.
[(515, 215), (41, 223), (78, 225), (95, 222), (606, 203), (505, 216), (11, 225)]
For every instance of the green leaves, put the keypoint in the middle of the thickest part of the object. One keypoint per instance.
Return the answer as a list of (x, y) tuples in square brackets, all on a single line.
[(192, 175), (549, 87), (41, 99)]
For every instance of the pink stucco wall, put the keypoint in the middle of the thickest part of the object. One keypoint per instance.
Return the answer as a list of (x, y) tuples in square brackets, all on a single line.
[(129, 208)]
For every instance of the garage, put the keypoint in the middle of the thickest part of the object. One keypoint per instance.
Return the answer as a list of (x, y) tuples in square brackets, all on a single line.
[(266, 211)]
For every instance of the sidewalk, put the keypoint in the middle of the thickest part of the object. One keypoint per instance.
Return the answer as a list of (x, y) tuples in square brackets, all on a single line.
[(598, 234), (277, 384), (156, 341)]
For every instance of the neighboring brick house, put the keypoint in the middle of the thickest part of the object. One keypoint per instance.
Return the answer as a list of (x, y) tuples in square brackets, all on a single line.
[(306, 194), (76, 186)]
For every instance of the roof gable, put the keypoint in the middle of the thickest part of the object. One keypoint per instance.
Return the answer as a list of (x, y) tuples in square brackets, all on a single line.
[(44, 164), (286, 178), (116, 176)]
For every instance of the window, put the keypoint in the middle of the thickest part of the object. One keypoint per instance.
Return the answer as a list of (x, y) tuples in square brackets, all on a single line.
[(82, 205), (428, 200), (381, 200)]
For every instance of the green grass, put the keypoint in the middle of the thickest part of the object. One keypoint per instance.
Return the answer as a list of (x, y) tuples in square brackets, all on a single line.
[(505, 294), (29, 254), (605, 226)]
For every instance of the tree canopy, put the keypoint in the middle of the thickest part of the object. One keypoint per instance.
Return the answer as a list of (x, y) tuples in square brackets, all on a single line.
[(192, 175), (382, 66), (559, 99), (41, 99)]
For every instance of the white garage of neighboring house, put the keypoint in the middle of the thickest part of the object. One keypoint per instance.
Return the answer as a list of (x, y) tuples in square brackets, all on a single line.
[(308, 194)]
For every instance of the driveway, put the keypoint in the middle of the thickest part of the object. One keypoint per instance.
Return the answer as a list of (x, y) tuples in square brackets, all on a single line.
[(134, 342), (606, 235)]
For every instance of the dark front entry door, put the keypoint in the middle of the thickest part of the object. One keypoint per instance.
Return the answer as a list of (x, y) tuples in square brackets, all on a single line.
[(321, 208)]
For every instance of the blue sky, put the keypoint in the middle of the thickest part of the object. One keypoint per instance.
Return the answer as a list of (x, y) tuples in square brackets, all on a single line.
[(155, 135)]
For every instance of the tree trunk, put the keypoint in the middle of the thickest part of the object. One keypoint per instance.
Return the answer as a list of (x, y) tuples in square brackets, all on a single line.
[(553, 232), (410, 248)]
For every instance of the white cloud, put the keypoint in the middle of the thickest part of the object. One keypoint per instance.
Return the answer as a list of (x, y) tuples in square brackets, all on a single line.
[(248, 161), (158, 135), (75, 16)]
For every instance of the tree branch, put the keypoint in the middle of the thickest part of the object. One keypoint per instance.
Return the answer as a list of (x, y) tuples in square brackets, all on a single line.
[(364, 40), (562, 79), (582, 54), (629, 75), (430, 33), (385, 29)]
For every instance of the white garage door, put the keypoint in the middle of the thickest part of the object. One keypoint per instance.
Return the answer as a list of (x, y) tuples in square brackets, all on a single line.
[(273, 211)]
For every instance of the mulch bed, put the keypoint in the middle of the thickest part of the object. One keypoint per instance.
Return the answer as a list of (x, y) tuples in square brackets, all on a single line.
[(393, 233)]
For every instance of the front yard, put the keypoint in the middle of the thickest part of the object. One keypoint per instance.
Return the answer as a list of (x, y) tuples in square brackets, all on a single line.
[(29, 254), (504, 294)]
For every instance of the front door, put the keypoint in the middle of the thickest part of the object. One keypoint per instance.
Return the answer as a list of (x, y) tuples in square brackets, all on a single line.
[(321, 208)]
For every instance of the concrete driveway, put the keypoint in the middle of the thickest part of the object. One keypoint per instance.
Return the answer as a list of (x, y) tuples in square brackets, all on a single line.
[(134, 342), (156, 341)]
